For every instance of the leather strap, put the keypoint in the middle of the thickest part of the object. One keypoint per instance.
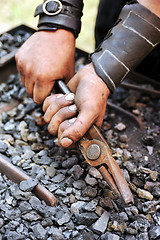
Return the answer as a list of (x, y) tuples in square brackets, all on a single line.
[(65, 14), (75, 3), (127, 44), (52, 7), (61, 21)]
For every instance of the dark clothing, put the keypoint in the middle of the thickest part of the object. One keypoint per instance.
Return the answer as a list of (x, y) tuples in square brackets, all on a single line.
[(108, 12)]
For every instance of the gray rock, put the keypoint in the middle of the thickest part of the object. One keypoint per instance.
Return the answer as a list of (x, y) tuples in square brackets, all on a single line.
[(16, 159), (47, 222), (120, 127), (154, 233), (51, 171), (1, 222), (3, 146), (89, 192), (58, 178), (86, 218), (95, 173), (12, 213), (106, 203), (10, 126), (28, 154), (130, 167), (101, 224), (76, 207), (70, 162), (91, 206), (31, 216), (60, 193), (130, 237), (123, 216), (65, 218), (76, 171), (141, 224), (90, 180), (131, 211), (45, 160), (28, 185), (39, 232), (143, 236), (79, 184), (56, 233), (11, 235), (35, 202), (110, 236), (25, 207)]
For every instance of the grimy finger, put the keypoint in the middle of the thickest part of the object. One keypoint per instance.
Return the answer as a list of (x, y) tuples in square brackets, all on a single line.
[(57, 102), (50, 100), (64, 125), (60, 116), (58, 99), (42, 90), (77, 130)]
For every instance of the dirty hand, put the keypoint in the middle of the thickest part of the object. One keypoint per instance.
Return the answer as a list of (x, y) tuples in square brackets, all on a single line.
[(90, 99), (43, 58)]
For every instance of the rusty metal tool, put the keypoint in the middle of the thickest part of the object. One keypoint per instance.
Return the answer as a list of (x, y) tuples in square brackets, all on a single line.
[(16, 175), (98, 154), (152, 92)]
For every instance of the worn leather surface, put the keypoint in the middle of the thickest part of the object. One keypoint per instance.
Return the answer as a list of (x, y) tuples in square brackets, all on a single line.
[(68, 18), (127, 44), (53, 7), (75, 3), (61, 21)]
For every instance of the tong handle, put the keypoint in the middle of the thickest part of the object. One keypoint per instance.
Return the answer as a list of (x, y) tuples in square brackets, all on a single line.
[(119, 179), (62, 86)]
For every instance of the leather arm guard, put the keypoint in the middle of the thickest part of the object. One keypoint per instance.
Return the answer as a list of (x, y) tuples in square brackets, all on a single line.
[(136, 34), (55, 14)]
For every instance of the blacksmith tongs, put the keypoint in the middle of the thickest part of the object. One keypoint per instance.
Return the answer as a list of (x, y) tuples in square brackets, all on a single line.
[(98, 154)]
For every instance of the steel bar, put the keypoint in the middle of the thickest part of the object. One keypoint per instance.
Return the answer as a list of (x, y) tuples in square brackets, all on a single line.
[(16, 175), (138, 77), (140, 88), (127, 113), (8, 57)]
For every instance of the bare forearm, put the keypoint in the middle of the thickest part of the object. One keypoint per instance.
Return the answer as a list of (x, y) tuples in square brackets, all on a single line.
[(152, 5)]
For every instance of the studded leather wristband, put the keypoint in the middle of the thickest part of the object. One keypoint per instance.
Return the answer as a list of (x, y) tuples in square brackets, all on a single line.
[(136, 34), (65, 14)]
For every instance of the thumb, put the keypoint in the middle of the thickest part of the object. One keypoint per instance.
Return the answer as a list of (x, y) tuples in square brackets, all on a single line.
[(70, 131)]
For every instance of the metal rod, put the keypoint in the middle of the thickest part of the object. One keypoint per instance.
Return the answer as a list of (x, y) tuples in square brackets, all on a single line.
[(16, 175), (138, 77), (141, 89), (127, 113)]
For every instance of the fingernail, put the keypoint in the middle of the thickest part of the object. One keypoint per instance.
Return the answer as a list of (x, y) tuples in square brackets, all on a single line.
[(70, 97), (72, 108), (66, 142), (72, 120)]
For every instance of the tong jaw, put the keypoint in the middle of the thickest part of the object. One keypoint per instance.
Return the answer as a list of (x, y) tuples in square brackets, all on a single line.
[(98, 154)]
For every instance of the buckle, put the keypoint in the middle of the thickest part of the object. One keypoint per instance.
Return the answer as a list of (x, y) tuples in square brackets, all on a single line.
[(59, 8)]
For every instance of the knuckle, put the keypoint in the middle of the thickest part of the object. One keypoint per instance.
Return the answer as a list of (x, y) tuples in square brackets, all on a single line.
[(52, 130), (37, 100), (29, 72), (77, 134), (63, 126), (46, 119)]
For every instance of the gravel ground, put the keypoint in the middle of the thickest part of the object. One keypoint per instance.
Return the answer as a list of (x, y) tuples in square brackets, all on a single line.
[(86, 208)]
